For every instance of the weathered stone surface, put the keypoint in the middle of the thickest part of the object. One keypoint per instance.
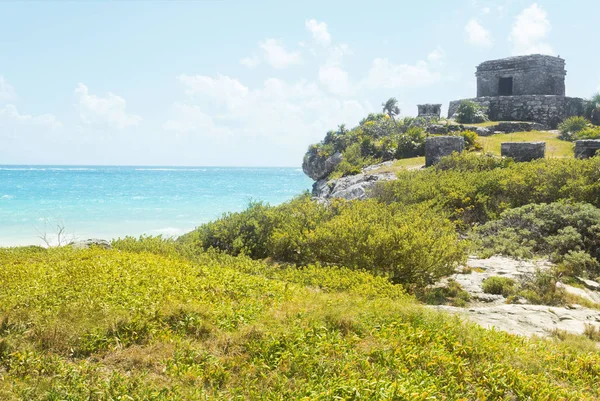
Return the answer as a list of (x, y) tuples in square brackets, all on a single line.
[(586, 148), (548, 110), (88, 243), (527, 320), (530, 320), (524, 151), (439, 146), (317, 167), (429, 110), (534, 74), (349, 188)]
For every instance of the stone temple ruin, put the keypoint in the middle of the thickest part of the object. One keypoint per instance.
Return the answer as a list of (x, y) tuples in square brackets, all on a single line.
[(429, 110), (524, 88)]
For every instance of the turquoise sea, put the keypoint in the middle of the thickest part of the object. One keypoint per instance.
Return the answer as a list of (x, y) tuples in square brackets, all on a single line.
[(110, 202)]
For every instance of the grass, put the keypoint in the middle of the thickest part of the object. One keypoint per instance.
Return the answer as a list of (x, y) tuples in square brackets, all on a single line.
[(154, 322), (555, 148), (489, 123)]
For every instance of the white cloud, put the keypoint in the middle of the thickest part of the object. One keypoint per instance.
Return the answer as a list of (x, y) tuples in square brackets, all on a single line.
[(436, 55), (386, 74), (10, 114), (477, 35), (276, 54), (485, 10), (331, 73), (283, 114), (221, 87), (109, 110), (319, 31), (529, 32), (250, 62), (6, 90)]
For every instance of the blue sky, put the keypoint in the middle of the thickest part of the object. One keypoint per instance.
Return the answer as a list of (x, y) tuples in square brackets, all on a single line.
[(239, 83)]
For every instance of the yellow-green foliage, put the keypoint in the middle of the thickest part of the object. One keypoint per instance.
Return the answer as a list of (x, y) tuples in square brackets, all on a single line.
[(133, 325), (411, 245), (477, 196)]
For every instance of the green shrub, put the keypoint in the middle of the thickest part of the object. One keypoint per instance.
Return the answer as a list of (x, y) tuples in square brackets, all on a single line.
[(478, 196), (410, 245), (411, 143), (472, 162), (571, 126), (499, 286), (469, 112), (555, 230), (471, 140), (588, 133), (578, 263), (540, 288)]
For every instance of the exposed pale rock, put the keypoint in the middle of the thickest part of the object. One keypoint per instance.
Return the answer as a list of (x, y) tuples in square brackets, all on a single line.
[(318, 167), (92, 242)]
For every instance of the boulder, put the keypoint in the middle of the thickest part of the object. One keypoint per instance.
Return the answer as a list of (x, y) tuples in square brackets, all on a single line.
[(318, 167), (524, 151), (586, 148), (92, 242), (439, 146), (353, 187)]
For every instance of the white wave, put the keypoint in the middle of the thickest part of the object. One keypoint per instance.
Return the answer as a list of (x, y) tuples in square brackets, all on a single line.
[(170, 169), (7, 197), (170, 231)]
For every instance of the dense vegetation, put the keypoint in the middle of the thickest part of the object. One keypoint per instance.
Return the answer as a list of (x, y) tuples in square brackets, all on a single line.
[(379, 137), (469, 112), (411, 245), (576, 128), (158, 320)]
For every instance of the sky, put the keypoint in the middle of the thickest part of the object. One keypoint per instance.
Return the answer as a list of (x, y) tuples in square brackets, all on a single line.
[(251, 83)]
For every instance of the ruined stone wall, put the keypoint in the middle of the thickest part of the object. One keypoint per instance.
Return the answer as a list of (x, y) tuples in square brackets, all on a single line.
[(531, 75), (429, 110), (543, 109)]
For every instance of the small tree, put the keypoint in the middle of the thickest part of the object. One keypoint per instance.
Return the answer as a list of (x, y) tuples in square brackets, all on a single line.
[(470, 112), (391, 108), (592, 109)]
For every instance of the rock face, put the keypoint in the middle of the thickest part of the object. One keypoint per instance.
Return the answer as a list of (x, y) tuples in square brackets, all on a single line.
[(586, 148), (524, 151), (89, 243), (349, 188), (317, 167), (548, 110), (440, 146), (526, 320)]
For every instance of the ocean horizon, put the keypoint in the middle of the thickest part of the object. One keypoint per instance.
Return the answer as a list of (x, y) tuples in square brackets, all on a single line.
[(108, 202)]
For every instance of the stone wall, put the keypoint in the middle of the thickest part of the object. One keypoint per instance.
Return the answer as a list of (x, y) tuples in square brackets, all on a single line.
[(544, 109), (437, 147), (528, 75), (586, 148), (523, 151)]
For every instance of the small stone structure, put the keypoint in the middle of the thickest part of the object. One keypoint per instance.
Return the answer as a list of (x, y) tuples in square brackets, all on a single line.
[(535, 74), (524, 151), (437, 147), (429, 110), (524, 88), (586, 148)]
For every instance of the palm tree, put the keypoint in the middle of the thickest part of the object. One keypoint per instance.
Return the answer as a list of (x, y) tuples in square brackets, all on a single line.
[(391, 108)]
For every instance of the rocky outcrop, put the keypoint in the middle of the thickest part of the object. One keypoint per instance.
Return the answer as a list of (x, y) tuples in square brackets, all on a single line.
[(503, 127), (349, 188), (492, 311), (319, 167)]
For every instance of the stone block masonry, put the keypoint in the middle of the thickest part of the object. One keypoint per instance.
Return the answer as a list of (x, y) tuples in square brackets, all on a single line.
[(437, 147), (524, 151), (586, 148), (429, 110), (548, 110)]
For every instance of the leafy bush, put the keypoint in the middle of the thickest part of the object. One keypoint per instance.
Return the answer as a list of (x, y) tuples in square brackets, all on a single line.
[(411, 143), (469, 112), (413, 246), (540, 288), (471, 140), (499, 286), (556, 230), (472, 162), (588, 133), (478, 196), (571, 126)]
